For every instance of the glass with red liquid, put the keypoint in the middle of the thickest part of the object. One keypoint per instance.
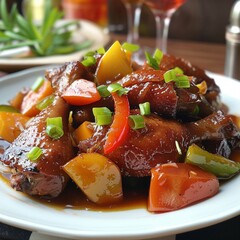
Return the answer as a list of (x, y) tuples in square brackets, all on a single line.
[(133, 8), (93, 10), (163, 11)]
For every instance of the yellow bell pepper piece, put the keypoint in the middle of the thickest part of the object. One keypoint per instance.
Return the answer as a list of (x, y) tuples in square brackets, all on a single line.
[(11, 125), (98, 177), (113, 65), (84, 131)]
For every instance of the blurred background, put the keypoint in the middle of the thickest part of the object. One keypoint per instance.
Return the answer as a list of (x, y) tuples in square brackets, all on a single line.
[(196, 20)]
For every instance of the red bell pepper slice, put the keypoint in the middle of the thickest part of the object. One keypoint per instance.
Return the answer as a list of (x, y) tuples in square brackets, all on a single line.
[(81, 92), (120, 127), (176, 185)]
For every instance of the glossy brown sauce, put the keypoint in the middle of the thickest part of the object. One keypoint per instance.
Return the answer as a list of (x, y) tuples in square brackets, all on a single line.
[(135, 197), (135, 194)]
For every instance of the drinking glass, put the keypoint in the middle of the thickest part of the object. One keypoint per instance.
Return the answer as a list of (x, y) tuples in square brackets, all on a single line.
[(163, 11), (133, 8)]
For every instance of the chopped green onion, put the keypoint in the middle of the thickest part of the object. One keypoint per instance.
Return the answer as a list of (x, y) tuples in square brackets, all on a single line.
[(152, 62), (136, 121), (103, 116), (122, 91), (158, 55), (101, 111), (130, 47), (34, 154), (145, 108), (103, 91), (116, 87), (45, 102), (169, 76), (182, 81), (89, 61), (178, 70), (38, 83), (89, 54), (101, 50), (54, 127), (102, 120), (155, 60)]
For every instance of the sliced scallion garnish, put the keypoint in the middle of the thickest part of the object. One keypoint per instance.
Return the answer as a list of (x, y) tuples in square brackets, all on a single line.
[(158, 55), (103, 91), (152, 62), (181, 81), (130, 47), (101, 51), (34, 154), (45, 102), (145, 108), (136, 121), (116, 87), (155, 60), (103, 120), (89, 61), (37, 84), (178, 70), (122, 91), (103, 116), (169, 76), (54, 127)]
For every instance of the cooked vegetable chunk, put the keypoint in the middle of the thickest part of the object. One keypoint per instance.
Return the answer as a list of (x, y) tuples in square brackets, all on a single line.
[(176, 185), (28, 107), (97, 177), (216, 164), (113, 65), (81, 92), (11, 125)]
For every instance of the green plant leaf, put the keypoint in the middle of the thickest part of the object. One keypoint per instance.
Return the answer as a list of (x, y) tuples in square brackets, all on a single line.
[(17, 45), (4, 37), (15, 36), (4, 14)]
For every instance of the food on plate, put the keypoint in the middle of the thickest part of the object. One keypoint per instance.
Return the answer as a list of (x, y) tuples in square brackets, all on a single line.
[(106, 121)]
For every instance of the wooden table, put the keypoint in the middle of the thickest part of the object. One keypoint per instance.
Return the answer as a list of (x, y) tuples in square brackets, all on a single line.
[(209, 56)]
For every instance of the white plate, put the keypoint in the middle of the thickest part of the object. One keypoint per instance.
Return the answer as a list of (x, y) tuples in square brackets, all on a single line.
[(18, 210), (88, 31)]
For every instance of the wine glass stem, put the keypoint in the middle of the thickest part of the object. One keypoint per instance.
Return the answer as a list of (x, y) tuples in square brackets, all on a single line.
[(133, 16), (162, 27)]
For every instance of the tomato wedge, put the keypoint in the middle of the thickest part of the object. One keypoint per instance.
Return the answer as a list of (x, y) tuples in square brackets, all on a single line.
[(119, 128), (176, 185), (81, 92)]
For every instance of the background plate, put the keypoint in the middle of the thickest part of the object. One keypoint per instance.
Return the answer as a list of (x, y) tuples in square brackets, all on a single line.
[(18, 210), (88, 31)]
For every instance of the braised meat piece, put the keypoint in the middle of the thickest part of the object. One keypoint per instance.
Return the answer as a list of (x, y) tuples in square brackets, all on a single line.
[(43, 177), (212, 95), (160, 141), (62, 77)]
